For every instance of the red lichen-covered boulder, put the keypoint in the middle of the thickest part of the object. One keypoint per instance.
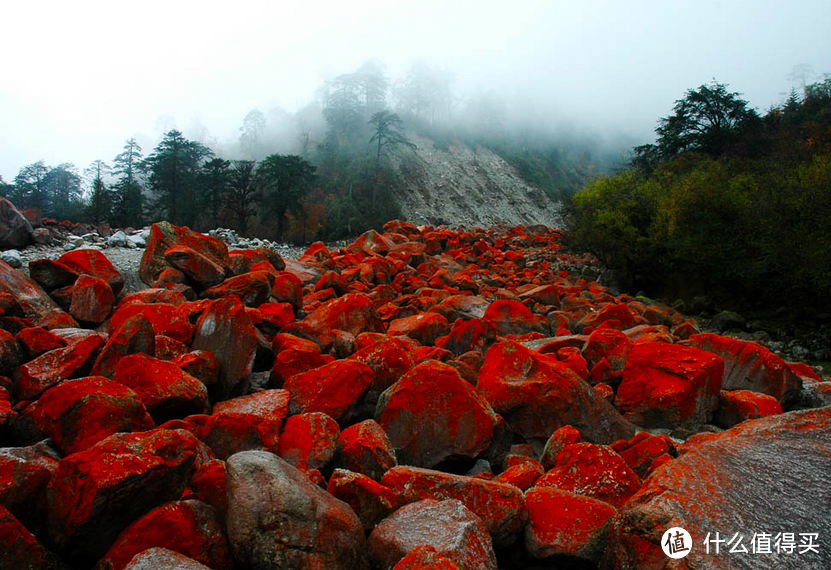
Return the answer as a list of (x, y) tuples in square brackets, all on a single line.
[(770, 472), (51, 274), (641, 451), (20, 547), (353, 313), (97, 492), (423, 327), (294, 361), (34, 341), (610, 344), (566, 524), (191, 528), (167, 319), (95, 264), (558, 441), (749, 366), (512, 317), (334, 389), (169, 348), (594, 471), (370, 500), (372, 241), (536, 395), (276, 514), (252, 288), (432, 415), (24, 474), (194, 265), (308, 441), (365, 448), (572, 358), (287, 288), (92, 300), (669, 385), (134, 336), (612, 315), (543, 294), (449, 527), (34, 302), (11, 354), (225, 330), (74, 361), (268, 404), (57, 319), (461, 307), (200, 364), (153, 296), (736, 406), (209, 483), (77, 414), (229, 433), (166, 390), (425, 557), (275, 316), (6, 413), (389, 359), (500, 506), (163, 235), (334, 281), (522, 475), (468, 335)]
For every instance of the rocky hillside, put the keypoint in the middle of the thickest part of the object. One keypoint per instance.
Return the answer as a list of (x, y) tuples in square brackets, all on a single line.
[(465, 186), (421, 398)]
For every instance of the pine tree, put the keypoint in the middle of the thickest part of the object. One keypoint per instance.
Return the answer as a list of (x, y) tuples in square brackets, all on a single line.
[(128, 199), (174, 168), (284, 180)]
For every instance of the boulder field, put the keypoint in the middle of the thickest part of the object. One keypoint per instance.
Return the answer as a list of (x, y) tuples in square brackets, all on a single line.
[(424, 398)]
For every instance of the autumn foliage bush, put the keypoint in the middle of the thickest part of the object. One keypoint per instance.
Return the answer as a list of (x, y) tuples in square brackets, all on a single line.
[(752, 223)]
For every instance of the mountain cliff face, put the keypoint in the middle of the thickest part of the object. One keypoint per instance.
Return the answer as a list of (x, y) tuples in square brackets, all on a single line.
[(461, 185)]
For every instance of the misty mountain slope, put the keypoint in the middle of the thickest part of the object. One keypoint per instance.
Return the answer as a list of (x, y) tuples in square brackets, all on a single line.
[(469, 186)]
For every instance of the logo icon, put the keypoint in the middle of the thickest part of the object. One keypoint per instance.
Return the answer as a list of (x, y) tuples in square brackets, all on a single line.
[(676, 542)]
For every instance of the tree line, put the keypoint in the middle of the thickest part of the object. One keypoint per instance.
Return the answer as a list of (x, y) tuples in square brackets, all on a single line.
[(336, 184), (337, 165), (727, 203)]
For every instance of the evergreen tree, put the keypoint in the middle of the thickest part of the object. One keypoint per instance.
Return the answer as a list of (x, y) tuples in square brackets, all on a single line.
[(128, 201), (243, 193), (62, 184), (251, 132), (174, 168), (215, 178), (387, 139), (99, 209), (6, 189), (284, 180), (30, 187)]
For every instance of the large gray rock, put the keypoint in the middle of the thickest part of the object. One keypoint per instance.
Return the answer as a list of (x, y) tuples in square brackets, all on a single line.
[(12, 257), (163, 559), (769, 475), (448, 526), (118, 239), (15, 229), (277, 519)]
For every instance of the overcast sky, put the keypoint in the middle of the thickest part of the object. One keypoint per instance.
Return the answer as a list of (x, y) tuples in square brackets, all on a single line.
[(78, 78)]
